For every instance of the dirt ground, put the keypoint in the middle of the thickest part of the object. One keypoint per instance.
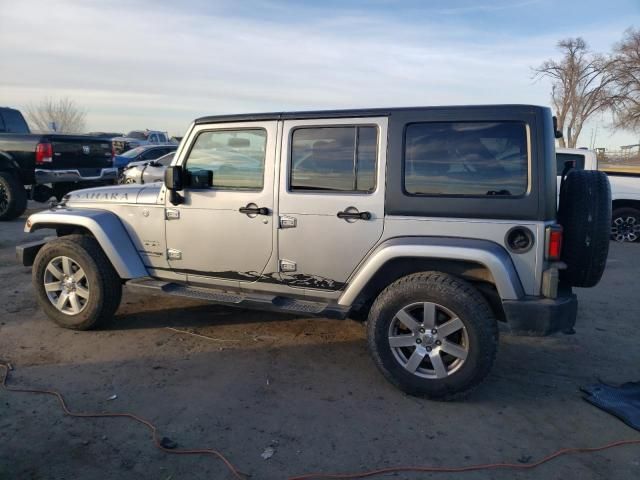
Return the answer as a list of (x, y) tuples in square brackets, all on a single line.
[(305, 387)]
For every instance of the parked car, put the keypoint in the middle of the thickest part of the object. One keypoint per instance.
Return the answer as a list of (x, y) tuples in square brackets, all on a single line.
[(137, 138), (40, 166), (434, 224), (146, 171), (145, 153), (625, 191)]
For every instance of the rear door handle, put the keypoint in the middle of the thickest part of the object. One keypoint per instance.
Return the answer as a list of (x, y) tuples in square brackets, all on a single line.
[(355, 215), (254, 210)]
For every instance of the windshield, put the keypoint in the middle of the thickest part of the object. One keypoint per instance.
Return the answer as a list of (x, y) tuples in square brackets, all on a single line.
[(137, 135), (166, 159), (134, 152)]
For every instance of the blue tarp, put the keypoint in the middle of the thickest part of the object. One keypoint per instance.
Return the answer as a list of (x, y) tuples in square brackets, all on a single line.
[(623, 401)]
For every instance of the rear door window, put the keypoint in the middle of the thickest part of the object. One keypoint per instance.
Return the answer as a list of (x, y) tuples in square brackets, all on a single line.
[(334, 159), (466, 159)]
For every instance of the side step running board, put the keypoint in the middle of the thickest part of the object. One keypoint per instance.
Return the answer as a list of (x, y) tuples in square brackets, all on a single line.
[(240, 299)]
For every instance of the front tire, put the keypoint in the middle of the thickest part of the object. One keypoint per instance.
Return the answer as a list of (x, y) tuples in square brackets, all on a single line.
[(75, 284), (432, 334)]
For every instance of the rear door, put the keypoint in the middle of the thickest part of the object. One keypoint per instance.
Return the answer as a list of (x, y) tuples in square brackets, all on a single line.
[(331, 199)]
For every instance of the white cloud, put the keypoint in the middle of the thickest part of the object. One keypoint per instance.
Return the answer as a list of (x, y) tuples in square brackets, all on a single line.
[(147, 65)]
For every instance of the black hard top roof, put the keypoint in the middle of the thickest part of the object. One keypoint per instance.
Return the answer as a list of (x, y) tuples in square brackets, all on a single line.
[(363, 112)]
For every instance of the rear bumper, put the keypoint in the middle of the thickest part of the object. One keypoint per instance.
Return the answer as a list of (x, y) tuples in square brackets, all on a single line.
[(539, 316), (73, 175)]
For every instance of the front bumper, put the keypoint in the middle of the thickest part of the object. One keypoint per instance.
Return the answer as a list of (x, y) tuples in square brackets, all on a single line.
[(26, 253), (74, 175), (539, 316)]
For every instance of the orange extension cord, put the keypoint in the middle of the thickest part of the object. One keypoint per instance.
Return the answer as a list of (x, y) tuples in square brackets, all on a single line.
[(317, 476)]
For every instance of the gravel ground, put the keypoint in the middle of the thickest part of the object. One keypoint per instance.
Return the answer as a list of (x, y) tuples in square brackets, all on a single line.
[(304, 387)]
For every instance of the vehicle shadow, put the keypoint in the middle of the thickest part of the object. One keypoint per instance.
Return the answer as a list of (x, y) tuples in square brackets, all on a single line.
[(193, 316)]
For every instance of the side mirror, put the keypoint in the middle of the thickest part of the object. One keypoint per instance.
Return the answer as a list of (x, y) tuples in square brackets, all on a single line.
[(556, 133), (173, 178), (173, 182)]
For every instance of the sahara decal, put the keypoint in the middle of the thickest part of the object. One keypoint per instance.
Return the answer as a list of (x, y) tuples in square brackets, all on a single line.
[(103, 196)]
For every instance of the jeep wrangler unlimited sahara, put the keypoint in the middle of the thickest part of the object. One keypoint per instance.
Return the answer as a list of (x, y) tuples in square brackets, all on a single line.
[(432, 224)]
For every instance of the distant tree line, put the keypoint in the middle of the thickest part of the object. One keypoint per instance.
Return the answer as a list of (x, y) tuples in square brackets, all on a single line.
[(584, 82)]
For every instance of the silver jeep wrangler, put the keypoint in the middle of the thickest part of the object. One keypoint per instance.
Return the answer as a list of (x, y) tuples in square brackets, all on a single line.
[(431, 224)]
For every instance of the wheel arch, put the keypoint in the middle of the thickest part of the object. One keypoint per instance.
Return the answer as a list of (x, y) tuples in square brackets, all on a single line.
[(102, 225), (7, 163), (625, 203), (485, 264)]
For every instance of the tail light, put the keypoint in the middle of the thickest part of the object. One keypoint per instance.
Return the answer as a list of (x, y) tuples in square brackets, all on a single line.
[(44, 153), (553, 242)]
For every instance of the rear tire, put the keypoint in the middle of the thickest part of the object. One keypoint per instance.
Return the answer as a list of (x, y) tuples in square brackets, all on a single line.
[(75, 284), (585, 215), (625, 225), (13, 197), (432, 334)]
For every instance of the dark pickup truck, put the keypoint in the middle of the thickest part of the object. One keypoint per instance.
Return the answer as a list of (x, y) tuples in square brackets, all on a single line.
[(39, 166)]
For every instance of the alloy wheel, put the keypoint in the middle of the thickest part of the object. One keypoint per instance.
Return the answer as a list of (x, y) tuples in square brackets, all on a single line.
[(625, 229), (428, 340), (66, 285)]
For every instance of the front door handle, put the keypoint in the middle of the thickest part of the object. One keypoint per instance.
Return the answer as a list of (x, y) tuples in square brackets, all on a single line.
[(248, 210), (355, 215)]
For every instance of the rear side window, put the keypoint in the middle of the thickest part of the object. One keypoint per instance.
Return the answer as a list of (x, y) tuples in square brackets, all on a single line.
[(13, 122), (466, 158), (575, 161), (334, 159), (236, 157)]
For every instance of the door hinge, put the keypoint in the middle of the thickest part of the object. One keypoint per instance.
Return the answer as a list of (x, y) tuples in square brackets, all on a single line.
[(287, 266), (172, 214), (173, 254), (287, 222)]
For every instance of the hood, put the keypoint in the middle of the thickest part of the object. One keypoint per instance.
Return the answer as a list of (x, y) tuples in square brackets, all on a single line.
[(130, 193)]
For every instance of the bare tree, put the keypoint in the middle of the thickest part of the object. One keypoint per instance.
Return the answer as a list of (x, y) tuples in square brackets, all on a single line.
[(581, 86), (626, 74), (62, 115)]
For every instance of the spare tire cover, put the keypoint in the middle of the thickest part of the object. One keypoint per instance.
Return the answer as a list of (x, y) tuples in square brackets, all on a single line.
[(585, 215)]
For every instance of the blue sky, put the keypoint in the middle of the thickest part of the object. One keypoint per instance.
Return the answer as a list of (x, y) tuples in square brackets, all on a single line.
[(154, 64)]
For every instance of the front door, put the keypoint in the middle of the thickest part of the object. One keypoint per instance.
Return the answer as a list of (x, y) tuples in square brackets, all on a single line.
[(331, 201), (223, 235)]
